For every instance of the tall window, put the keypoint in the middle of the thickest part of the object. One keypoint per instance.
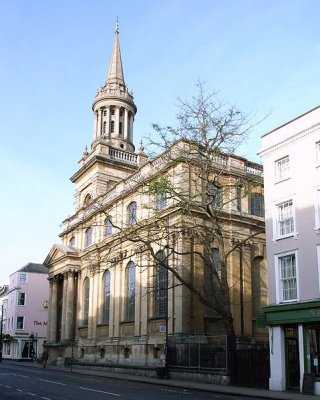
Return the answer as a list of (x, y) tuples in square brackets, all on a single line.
[(120, 128), (288, 277), (88, 236), (112, 127), (285, 218), (72, 241), (215, 195), (132, 213), (85, 301), (161, 286), (108, 226), (282, 168), (20, 323), (239, 198), (131, 291), (257, 204), (21, 299), (104, 127), (106, 298), (161, 201), (318, 152), (216, 261)]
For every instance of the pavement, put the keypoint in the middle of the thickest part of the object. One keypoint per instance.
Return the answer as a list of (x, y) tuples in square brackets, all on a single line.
[(231, 390)]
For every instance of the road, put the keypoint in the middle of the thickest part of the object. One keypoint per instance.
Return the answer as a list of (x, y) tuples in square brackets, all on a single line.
[(21, 382)]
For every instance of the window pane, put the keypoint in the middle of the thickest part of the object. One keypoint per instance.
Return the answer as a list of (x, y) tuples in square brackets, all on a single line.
[(288, 277), (106, 305), (282, 168), (161, 286), (86, 293), (131, 289)]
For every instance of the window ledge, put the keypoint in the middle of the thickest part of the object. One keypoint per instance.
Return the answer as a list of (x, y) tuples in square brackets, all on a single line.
[(281, 180), (289, 235)]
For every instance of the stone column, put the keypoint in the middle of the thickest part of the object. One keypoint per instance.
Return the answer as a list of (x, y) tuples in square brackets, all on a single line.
[(53, 310), (108, 122), (93, 310), (144, 285), (131, 128), (116, 122), (125, 124), (117, 312), (95, 124), (69, 304), (98, 130), (64, 305)]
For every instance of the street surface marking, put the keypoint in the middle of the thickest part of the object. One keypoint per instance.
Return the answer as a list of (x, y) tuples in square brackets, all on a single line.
[(175, 391), (31, 394), (100, 391), (8, 387), (45, 398), (56, 383), (22, 376), (19, 390)]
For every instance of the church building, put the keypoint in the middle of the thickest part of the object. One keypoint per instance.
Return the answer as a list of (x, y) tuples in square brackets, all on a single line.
[(129, 274)]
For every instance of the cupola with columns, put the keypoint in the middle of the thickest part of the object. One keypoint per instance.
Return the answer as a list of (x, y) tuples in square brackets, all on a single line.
[(111, 157)]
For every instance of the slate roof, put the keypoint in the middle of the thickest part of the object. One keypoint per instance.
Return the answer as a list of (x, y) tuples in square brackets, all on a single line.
[(36, 268)]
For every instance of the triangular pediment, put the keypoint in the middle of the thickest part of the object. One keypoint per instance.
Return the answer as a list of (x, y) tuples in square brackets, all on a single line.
[(59, 252)]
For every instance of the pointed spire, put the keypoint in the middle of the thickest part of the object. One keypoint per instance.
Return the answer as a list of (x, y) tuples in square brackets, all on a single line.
[(115, 74)]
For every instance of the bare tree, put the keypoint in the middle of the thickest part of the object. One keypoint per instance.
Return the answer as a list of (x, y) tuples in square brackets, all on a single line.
[(193, 198)]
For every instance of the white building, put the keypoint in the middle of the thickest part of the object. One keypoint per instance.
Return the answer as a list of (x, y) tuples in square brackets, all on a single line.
[(291, 158), (26, 312)]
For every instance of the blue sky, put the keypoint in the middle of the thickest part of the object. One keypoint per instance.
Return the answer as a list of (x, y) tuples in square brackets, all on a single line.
[(262, 55)]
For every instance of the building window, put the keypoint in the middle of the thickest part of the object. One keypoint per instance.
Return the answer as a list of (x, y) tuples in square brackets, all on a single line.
[(120, 128), (161, 201), (239, 198), (131, 291), (104, 127), (132, 213), (106, 299), (313, 349), (216, 261), (282, 168), (112, 127), (85, 301), (72, 241), (215, 195), (20, 323), (288, 277), (285, 218), (113, 110), (317, 210), (108, 226), (21, 299), (88, 236), (318, 152), (160, 285), (23, 277), (257, 204)]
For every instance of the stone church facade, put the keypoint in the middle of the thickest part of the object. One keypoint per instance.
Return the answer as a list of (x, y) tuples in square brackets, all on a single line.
[(107, 299)]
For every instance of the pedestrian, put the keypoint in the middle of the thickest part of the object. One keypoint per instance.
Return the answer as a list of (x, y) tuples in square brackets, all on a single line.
[(45, 356)]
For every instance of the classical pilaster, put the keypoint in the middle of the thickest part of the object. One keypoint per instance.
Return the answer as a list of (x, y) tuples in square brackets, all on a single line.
[(107, 134), (95, 130), (143, 284)]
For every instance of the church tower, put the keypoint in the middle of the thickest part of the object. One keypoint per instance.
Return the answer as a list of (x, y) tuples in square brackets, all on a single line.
[(111, 157)]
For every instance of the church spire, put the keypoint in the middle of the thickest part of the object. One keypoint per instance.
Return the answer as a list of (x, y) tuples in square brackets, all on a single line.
[(114, 108), (115, 74)]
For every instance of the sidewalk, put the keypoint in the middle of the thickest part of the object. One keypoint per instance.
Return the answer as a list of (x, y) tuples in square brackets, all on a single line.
[(232, 390)]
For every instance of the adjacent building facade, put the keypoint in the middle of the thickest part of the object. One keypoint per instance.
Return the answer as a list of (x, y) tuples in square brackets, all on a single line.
[(26, 313), (291, 159), (110, 301)]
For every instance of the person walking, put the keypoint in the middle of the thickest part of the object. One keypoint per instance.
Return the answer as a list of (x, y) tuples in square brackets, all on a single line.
[(45, 356)]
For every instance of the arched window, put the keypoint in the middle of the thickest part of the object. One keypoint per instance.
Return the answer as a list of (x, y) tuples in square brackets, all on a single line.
[(85, 301), (132, 213), (88, 236), (215, 195), (87, 200), (108, 226), (72, 241), (131, 291), (106, 298), (160, 285)]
